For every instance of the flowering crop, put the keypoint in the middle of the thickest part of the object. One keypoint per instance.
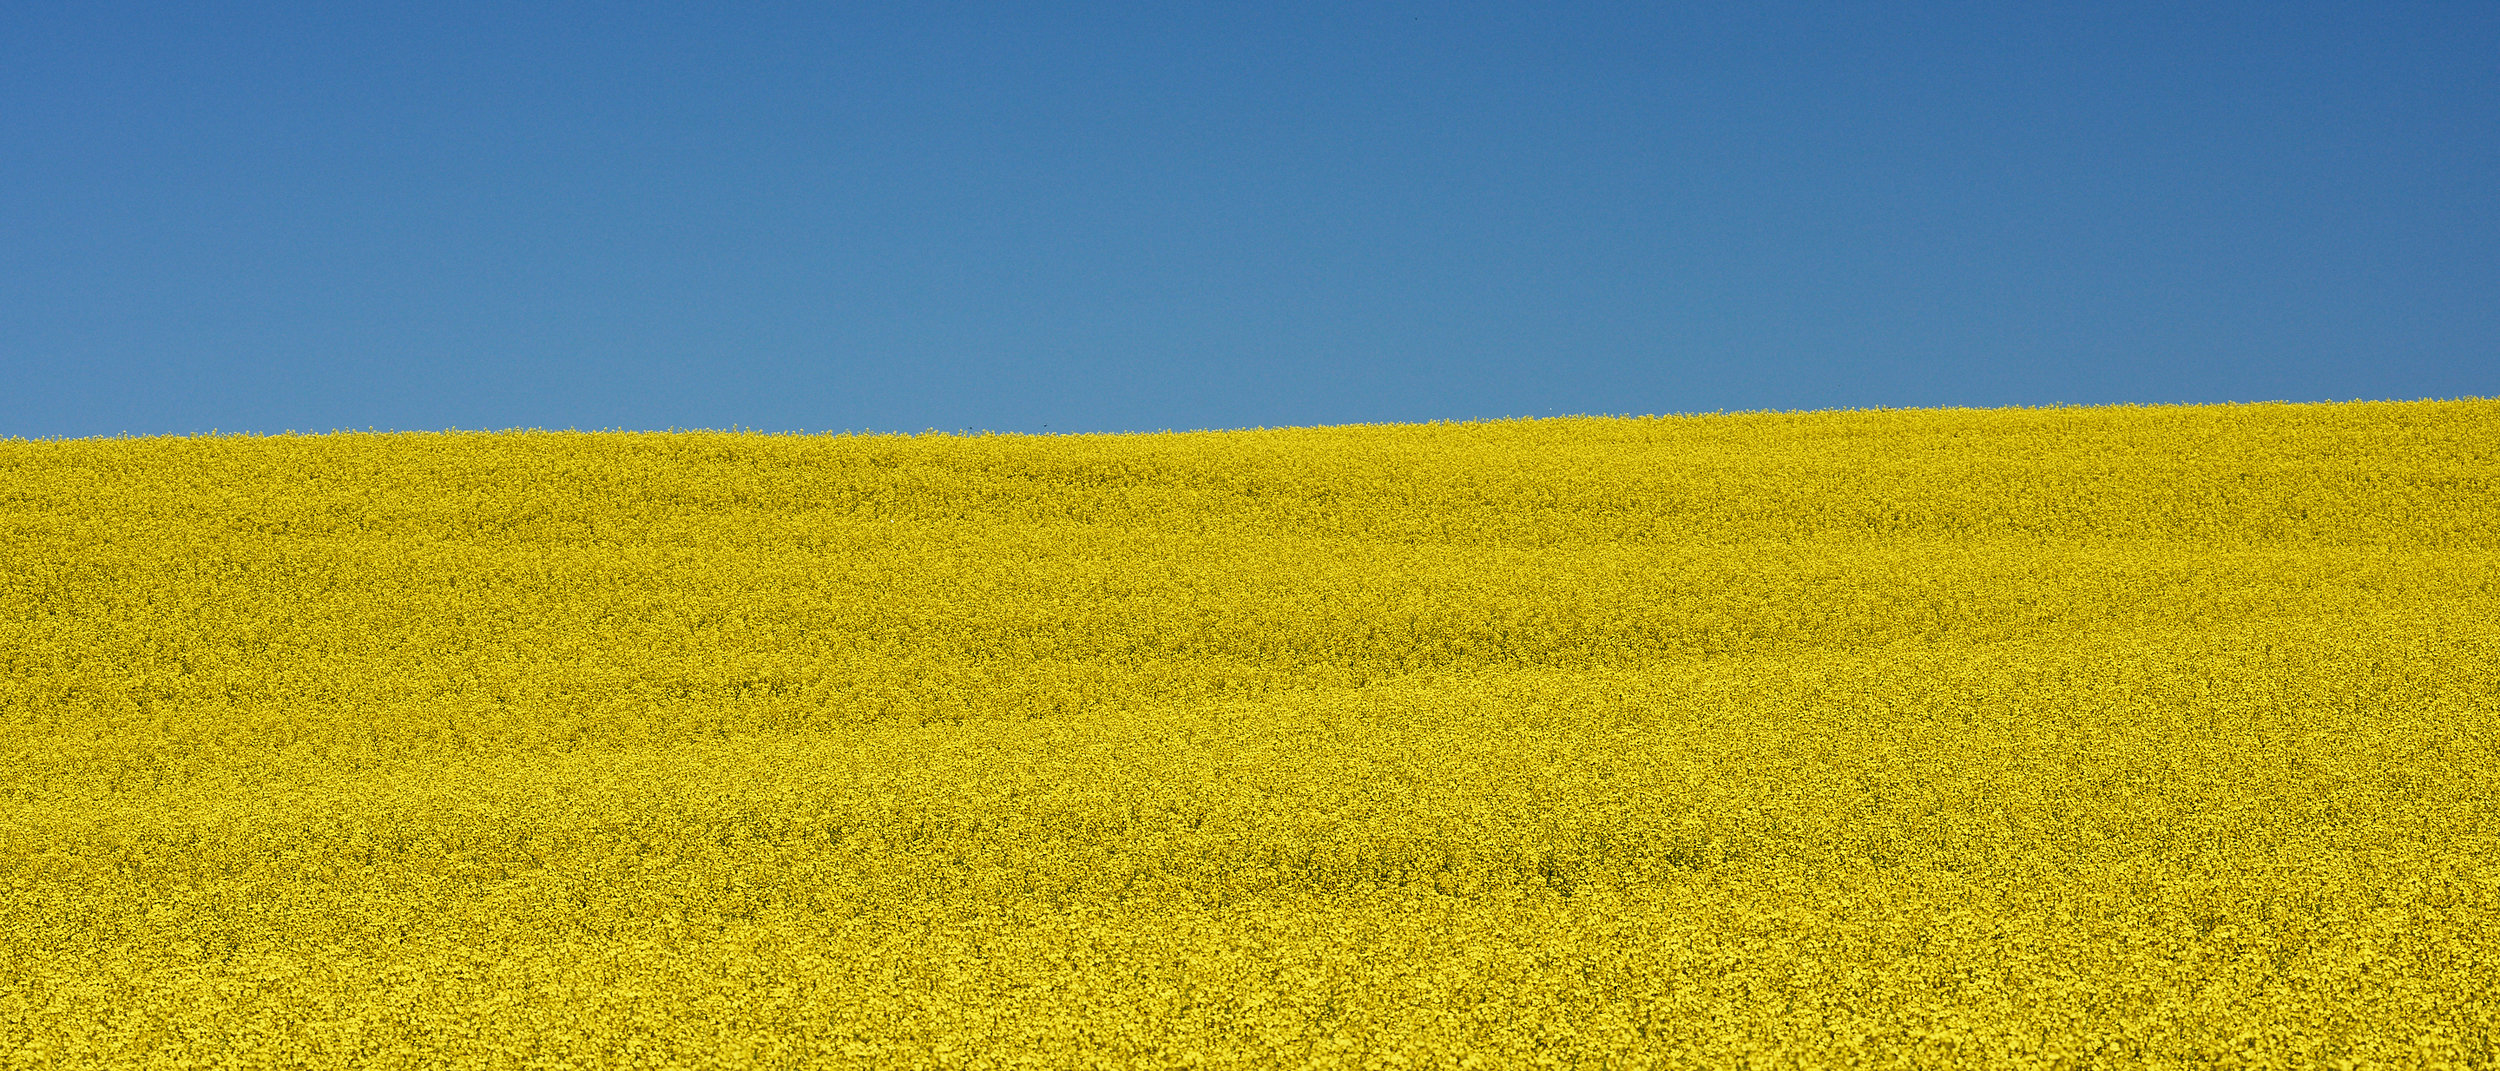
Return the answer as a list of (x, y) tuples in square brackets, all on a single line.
[(2111, 737)]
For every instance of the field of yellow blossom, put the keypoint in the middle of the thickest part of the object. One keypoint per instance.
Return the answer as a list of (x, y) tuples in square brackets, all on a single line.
[(2057, 738)]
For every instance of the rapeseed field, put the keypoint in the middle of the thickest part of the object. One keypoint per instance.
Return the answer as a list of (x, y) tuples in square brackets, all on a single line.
[(2054, 738)]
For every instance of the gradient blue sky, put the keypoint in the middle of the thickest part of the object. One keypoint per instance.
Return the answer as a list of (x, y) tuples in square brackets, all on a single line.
[(264, 217)]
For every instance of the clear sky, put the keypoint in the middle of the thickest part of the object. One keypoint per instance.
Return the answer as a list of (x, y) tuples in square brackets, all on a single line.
[(1032, 217)]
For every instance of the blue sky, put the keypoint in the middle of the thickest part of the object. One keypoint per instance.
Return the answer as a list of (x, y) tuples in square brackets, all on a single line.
[(271, 217)]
